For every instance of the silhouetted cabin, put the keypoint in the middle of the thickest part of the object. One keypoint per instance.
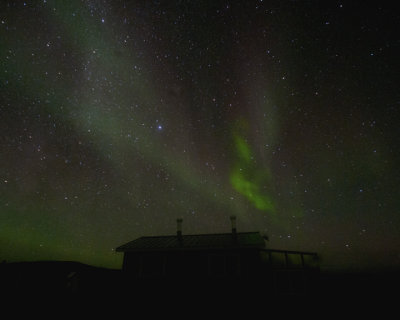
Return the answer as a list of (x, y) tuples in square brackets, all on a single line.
[(239, 255), (205, 256)]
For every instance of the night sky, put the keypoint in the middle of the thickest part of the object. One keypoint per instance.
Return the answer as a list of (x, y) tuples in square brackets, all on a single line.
[(117, 117)]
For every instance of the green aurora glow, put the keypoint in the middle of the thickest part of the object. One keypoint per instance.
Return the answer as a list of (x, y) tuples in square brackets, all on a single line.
[(250, 181), (118, 117)]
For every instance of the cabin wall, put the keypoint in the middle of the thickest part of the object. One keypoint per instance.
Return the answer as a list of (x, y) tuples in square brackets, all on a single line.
[(190, 264)]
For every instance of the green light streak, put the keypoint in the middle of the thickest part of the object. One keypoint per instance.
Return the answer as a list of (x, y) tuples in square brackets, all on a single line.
[(248, 180), (243, 149)]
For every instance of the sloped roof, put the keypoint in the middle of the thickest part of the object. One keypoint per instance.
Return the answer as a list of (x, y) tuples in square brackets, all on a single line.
[(200, 241)]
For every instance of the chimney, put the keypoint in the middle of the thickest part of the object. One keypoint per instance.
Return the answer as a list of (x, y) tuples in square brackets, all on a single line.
[(233, 222), (179, 229)]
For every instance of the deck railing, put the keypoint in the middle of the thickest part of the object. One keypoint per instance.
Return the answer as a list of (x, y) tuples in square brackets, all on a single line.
[(287, 259)]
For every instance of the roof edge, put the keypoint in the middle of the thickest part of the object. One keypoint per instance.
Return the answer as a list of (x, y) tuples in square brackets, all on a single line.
[(125, 247)]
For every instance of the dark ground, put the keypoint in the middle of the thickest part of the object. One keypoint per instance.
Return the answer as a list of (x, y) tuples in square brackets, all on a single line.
[(73, 278)]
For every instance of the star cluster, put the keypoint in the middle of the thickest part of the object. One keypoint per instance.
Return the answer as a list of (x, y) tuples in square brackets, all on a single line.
[(117, 117)]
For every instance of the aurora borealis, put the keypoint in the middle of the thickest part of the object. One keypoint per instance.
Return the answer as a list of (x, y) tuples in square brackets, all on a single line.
[(117, 117)]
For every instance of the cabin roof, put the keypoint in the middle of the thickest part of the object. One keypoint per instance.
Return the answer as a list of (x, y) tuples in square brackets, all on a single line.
[(199, 241)]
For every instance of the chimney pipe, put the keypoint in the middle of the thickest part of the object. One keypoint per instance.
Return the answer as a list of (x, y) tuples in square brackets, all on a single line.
[(233, 222), (179, 229)]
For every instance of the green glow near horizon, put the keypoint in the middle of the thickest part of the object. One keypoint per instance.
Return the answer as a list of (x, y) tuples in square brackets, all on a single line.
[(248, 180)]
